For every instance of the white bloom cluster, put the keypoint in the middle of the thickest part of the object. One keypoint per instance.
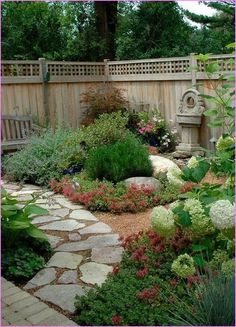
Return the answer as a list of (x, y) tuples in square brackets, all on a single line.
[(162, 221), (174, 176), (223, 143), (183, 266), (222, 214), (230, 182), (201, 224), (174, 205), (192, 163)]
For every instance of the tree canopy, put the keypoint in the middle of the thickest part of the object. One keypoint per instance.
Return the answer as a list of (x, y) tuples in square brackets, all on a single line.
[(93, 31)]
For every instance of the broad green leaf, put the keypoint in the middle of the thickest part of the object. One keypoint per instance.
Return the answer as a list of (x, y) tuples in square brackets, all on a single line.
[(9, 207), (231, 45), (212, 68), (203, 57), (17, 224), (207, 96), (210, 112), (36, 233), (33, 209), (184, 217), (199, 261), (198, 247), (216, 123)]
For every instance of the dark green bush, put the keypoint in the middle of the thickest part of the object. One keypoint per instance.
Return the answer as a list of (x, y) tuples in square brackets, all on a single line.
[(44, 158), (21, 263), (119, 161)]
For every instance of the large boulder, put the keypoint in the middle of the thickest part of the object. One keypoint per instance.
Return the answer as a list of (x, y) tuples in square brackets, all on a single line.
[(161, 164), (144, 181)]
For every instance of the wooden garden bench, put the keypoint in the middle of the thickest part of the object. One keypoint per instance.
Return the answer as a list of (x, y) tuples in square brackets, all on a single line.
[(15, 131)]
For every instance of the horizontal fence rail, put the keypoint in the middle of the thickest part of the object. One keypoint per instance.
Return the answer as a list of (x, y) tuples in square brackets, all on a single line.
[(147, 69)]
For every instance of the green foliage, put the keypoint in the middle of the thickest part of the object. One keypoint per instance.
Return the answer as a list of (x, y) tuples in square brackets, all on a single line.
[(196, 174), (119, 161), (222, 113), (139, 292), (106, 99), (215, 307), (16, 222), (107, 129), (45, 157), (21, 263)]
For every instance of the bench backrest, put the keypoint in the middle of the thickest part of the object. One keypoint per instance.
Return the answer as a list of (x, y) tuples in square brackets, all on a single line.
[(16, 127)]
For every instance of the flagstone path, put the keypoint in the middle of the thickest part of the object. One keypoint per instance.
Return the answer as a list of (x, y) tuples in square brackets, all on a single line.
[(85, 248)]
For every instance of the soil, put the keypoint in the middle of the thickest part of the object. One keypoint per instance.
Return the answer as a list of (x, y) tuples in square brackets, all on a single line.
[(126, 223)]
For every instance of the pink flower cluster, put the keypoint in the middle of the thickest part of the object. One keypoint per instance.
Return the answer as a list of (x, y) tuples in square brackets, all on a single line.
[(149, 128)]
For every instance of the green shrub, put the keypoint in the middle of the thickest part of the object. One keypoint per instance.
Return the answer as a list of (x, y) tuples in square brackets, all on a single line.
[(107, 129), (119, 161), (44, 158), (21, 263)]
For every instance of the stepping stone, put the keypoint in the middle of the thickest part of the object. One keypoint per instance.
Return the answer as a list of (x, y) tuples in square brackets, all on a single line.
[(65, 260), (47, 194), (50, 206), (54, 240), (66, 203), (63, 225), (91, 242), (96, 228), (24, 197), (31, 187), (60, 212), (11, 186), (44, 219), (94, 273), (69, 277), (83, 215), (107, 254), (74, 237), (43, 277), (62, 295), (25, 192), (43, 201)]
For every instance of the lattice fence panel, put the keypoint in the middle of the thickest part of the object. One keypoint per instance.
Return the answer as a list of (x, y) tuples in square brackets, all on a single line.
[(56, 69), (16, 69), (225, 64)]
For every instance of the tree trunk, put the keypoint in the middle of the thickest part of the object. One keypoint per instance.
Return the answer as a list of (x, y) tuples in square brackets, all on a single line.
[(106, 20)]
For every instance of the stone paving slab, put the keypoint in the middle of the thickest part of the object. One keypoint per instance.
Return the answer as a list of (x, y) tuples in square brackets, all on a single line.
[(30, 313), (65, 260), (62, 295), (107, 255), (63, 225), (98, 228), (43, 277), (91, 242), (83, 215), (95, 273)]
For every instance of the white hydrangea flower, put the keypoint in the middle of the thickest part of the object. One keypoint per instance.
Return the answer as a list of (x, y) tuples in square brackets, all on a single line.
[(174, 176), (193, 206), (222, 214), (174, 205), (224, 143), (162, 221), (192, 163)]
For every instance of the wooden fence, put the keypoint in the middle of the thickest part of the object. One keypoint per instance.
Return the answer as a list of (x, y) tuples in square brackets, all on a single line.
[(50, 91)]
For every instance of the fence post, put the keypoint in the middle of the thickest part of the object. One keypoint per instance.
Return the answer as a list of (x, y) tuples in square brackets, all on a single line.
[(193, 66), (106, 69), (43, 74)]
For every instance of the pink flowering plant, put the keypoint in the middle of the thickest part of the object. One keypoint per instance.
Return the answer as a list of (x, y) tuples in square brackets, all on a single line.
[(153, 129)]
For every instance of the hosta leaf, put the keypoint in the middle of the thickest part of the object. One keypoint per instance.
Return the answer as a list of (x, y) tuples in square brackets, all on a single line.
[(33, 209), (199, 261), (17, 224), (199, 247), (36, 233), (210, 112)]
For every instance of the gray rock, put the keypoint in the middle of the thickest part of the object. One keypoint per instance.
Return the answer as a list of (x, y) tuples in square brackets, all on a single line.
[(60, 212), (50, 206), (68, 277), (94, 273), (65, 260), (107, 254), (96, 228), (43, 277), (83, 215), (74, 237), (54, 240), (24, 192), (11, 186), (144, 181), (61, 295), (44, 219), (91, 242), (63, 225), (161, 164)]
